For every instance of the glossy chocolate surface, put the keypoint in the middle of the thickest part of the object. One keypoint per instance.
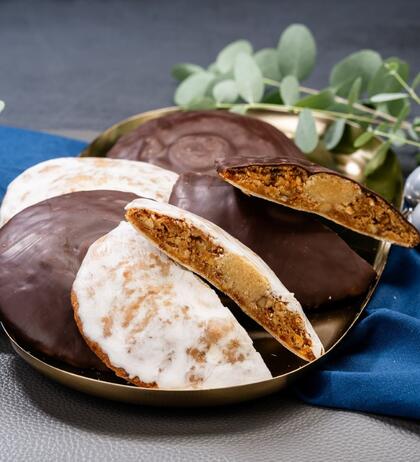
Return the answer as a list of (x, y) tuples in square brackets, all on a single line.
[(311, 260), (194, 140), (41, 249)]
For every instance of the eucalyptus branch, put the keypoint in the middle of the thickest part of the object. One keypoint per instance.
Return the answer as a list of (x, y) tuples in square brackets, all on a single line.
[(237, 81), (331, 115), (368, 110), (383, 115)]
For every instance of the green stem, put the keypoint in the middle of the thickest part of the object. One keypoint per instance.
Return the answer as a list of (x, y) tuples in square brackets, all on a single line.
[(407, 87), (273, 83), (397, 138)]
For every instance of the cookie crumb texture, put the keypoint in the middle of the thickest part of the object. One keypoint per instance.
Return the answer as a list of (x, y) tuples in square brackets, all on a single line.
[(331, 196), (156, 324), (230, 273)]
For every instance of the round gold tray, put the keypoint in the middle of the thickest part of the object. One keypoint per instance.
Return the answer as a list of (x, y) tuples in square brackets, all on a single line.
[(332, 324)]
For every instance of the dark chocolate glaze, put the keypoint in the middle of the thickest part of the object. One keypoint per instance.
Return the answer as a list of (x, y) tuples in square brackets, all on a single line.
[(193, 140), (311, 260), (41, 249)]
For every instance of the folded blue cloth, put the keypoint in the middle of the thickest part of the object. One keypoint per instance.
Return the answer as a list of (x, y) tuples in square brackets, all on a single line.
[(377, 366)]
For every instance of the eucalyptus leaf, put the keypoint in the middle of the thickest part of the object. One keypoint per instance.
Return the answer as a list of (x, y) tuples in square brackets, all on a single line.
[(385, 97), (249, 79), (362, 139), (334, 133), (363, 125), (416, 121), (322, 100), (267, 61), (322, 156), (382, 107), (400, 141), (272, 97), (395, 107), (383, 127), (383, 82), (217, 79), (225, 60), (182, 70), (402, 116), (363, 63), (338, 107), (239, 109), (213, 68), (193, 88), (306, 136), (391, 66), (386, 180), (416, 81), (225, 92), (296, 51), (202, 103), (289, 90), (378, 159), (354, 93), (413, 134)]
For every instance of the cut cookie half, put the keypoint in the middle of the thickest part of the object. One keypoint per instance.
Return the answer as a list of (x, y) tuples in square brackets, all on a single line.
[(295, 182), (156, 324), (230, 266), (69, 174)]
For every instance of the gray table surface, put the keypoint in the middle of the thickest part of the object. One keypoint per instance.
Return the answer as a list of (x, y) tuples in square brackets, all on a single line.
[(85, 65)]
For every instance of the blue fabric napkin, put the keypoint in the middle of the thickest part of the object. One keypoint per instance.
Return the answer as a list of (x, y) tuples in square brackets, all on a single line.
[(20, 149), (377, 366)]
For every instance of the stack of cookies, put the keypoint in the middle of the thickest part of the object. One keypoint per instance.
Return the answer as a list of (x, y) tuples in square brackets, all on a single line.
[(112, 263)]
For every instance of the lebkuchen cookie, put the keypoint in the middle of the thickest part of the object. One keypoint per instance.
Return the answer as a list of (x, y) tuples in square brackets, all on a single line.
[(311, 260), (156, 324), (69, 174), (278, 171), (181, 141), (41, 249), (206, 249)]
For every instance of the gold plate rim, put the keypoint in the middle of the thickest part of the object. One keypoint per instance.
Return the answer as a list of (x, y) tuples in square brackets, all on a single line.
[(177, 397)]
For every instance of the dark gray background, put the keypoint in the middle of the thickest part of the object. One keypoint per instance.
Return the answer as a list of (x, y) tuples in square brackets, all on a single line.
[(85, 65), (75, 64)]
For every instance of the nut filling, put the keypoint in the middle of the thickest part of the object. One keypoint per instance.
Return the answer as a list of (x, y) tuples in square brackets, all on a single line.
[(336, 198), (230, 273)]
